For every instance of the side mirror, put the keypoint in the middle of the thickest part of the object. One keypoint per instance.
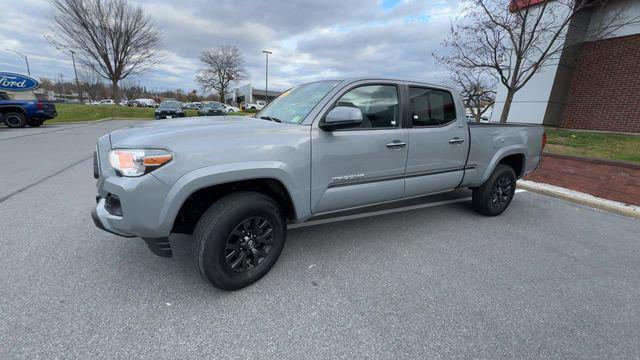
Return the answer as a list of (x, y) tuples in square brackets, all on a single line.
[(341, 117)]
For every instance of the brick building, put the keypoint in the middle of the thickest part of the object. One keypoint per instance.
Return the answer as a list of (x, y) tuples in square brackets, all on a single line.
[(594, 85)]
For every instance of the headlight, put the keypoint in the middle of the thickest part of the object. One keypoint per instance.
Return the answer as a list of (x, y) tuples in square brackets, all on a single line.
[(136, 162)]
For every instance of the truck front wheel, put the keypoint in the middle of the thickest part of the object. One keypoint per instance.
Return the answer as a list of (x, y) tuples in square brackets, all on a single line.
[(238, 239), (15, 120), (495, 195)]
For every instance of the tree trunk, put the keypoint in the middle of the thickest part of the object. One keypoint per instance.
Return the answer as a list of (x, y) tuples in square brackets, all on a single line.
[(115, 95), (507, 106)]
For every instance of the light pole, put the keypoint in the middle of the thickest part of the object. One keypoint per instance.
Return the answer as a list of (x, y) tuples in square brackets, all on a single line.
[(24, 57), (266, 75), (73, 58)]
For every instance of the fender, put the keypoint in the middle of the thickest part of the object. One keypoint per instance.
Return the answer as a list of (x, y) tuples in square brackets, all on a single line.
[(225, 173), (501, 154)]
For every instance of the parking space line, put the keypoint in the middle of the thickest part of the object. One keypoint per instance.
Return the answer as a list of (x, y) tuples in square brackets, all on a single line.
[(65, 127), (382, 212), (16, 192)]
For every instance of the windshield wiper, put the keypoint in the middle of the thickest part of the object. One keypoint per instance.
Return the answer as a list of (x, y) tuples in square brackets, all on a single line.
[(271, 118)]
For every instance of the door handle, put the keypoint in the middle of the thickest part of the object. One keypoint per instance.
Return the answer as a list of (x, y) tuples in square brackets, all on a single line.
[(456, 140), (396, 144)]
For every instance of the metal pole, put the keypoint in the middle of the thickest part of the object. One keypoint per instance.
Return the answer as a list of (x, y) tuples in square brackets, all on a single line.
[(24, 57), (73, 58), (27, 61), (266, 76)]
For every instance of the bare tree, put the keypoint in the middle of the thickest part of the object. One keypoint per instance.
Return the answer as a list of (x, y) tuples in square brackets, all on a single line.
[(90, 83), (112, 37), (477, 90), (223, 67), (514, 42)]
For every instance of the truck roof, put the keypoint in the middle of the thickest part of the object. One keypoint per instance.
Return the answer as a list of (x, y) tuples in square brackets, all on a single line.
[(398, 78)]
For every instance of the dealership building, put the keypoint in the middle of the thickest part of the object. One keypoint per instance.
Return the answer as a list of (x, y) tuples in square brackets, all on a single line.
[(594, 85), (248, 94)]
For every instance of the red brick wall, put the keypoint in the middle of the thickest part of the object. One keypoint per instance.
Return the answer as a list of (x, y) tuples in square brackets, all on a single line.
[(606, 179), (605, 91)]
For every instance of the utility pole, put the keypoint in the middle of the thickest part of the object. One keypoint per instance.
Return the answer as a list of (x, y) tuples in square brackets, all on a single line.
[(266, 76), (61, 84), (73, 58), (26, 60)]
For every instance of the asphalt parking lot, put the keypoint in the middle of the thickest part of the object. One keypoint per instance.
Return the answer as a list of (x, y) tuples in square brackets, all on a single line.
[(548, 279)]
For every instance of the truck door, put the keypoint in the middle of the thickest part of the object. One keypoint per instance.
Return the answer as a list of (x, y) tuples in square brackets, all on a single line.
[(439, 141), (363, 165)]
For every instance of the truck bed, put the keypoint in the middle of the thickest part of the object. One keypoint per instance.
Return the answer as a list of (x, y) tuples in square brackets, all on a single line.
[(505, 139)]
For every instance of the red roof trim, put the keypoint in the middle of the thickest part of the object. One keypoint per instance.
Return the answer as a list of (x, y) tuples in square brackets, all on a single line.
[(521, 4)]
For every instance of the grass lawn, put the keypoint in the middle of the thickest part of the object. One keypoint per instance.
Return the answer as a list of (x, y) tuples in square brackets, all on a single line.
[(77, 112), (594, 145)]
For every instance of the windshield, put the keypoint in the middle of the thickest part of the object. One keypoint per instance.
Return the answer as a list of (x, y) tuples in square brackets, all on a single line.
[(170, 105), (296, 103)]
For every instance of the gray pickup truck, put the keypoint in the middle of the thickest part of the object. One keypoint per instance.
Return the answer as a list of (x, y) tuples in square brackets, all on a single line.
[(235, 182)]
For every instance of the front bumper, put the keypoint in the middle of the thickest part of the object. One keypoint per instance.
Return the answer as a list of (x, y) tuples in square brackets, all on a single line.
[(141, 200), (169, 115), (159, 246), (100, 225)]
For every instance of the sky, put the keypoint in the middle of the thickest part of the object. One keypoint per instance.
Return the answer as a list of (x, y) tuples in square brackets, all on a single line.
[(310, 39)]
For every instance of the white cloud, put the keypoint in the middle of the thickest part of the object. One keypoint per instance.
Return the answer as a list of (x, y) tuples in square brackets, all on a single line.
[(310, 39)]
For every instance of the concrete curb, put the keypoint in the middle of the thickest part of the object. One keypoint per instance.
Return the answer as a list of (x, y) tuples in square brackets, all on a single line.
[(79, 122), (580, 198), (96, 121)]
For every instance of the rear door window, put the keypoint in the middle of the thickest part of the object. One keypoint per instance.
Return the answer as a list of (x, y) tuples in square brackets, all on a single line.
[(431, 107)]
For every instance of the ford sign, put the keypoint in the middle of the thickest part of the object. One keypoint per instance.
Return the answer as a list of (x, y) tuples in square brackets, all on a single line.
[(17, 82)]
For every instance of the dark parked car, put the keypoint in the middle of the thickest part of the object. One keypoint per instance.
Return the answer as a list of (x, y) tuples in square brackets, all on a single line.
[(168, 110), (212, 109)]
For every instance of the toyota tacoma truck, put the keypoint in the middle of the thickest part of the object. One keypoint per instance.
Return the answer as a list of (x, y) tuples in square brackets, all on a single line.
[(20, 113), (235, 182)]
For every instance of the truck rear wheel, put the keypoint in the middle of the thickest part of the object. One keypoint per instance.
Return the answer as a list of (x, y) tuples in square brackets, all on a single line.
[(238, 239), (495, 195), (15, 120)]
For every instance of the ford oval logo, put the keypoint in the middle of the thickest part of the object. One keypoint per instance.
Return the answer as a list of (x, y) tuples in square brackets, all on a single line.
[(17, 82)]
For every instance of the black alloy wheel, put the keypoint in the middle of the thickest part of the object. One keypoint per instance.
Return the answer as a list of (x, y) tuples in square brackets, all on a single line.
[(502, 191), (494, 196), (15, 120), (239, 239), (249, 244)]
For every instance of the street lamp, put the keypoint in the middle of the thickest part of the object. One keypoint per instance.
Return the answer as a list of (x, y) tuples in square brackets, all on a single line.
[(73, 58), (266, 75), (24, 57)]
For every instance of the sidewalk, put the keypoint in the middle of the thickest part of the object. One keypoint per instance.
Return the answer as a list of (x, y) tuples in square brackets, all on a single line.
[(580, 198)]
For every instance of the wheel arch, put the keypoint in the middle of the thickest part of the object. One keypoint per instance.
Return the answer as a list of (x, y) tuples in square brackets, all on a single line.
[(4, 109), (192, 194), (514, 156), (200, 200)]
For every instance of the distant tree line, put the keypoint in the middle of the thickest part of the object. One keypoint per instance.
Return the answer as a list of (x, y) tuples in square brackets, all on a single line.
[(94, 88)]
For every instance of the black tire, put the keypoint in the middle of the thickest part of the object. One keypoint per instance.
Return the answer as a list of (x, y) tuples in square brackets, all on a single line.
[(35, 123), (221, 232), (495, 195), (15, 120)]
